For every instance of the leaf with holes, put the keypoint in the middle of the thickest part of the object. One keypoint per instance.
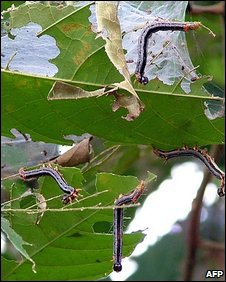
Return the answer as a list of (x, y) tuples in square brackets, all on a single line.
[(71, 245), (168, 121)]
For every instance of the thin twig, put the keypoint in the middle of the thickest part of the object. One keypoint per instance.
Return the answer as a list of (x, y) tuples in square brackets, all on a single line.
[(39, 203), (85, 198), (92, 163), (97, 207), (50, 199), (10, 176), (158, 54), (10, 60)]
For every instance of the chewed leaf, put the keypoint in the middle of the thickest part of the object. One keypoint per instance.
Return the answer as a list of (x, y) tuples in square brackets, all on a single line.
[(36, 12), (28, 53), (214, 109), (131, 103), (168, 57), (16, 240), (82, 252), (109, 28), (62, 91), (127, 86), (166, 122)]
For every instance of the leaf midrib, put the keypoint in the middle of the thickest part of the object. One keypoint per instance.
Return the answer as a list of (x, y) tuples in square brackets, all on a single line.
[(98, 85)]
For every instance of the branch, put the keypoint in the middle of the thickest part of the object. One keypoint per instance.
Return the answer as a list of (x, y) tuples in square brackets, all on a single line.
[(212, 9), (193, 232)]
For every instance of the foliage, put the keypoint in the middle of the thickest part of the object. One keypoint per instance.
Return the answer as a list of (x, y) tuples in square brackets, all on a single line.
[(77, 245)]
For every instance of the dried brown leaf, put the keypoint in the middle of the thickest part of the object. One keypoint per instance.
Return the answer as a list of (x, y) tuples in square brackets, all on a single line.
[(131, 103), (78, 154)]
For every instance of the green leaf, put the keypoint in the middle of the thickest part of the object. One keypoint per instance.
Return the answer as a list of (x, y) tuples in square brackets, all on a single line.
[(45, 15), (78, 45), (64, 244), (7, 4), (168, 121), (16, 240)]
